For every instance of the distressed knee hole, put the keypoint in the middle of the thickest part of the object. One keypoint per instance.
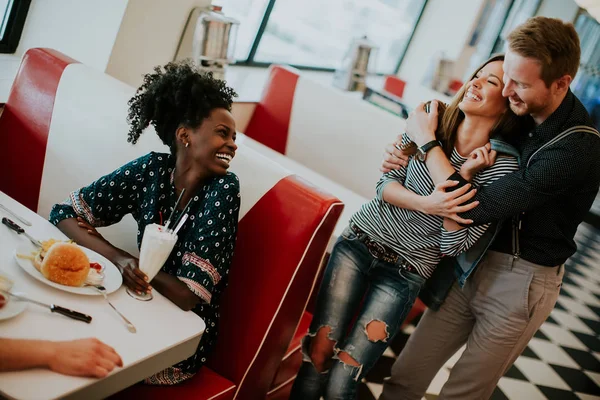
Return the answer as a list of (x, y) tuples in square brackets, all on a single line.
[(377, 331), (321, 349), (347, 359)]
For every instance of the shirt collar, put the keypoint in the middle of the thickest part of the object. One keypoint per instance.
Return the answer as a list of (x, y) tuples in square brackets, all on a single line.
[(552, 125)]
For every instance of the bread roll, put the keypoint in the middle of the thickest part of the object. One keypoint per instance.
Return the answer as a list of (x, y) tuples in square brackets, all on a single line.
[(66, 263), (41, 253)]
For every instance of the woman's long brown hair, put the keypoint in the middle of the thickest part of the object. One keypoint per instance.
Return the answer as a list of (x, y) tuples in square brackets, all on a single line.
[(450, 116)]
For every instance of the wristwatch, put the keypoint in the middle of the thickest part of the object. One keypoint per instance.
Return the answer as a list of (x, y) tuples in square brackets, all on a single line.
[(422, 151)]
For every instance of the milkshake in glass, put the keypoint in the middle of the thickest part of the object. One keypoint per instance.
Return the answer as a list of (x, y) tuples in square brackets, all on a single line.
[(157, 245)]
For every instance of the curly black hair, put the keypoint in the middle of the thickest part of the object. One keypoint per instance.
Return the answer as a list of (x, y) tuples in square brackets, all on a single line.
[(174, 95)]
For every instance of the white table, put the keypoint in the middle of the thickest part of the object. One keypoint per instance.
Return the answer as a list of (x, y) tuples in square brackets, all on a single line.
[(165, 334)]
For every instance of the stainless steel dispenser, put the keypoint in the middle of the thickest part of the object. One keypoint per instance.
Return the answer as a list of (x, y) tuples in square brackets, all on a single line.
[(212, 40), (352, 74)]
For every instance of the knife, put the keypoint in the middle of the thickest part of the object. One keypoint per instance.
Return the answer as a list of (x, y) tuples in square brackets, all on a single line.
[(53, 308), (20, 230)]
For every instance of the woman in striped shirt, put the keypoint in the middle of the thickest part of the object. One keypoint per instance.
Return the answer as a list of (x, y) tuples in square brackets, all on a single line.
[(385, 255)]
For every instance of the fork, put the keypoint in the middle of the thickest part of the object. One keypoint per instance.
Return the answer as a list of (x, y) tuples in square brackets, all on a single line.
[(102, 290)]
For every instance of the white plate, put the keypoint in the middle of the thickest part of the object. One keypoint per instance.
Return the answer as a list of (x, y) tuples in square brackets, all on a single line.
[(112, 276), (13, 307)]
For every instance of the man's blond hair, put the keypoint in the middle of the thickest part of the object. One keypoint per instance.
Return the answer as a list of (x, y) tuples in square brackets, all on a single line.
[(550, 41)]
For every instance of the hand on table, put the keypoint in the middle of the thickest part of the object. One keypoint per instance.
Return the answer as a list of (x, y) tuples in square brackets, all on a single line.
[(84, 357), (133, 277)]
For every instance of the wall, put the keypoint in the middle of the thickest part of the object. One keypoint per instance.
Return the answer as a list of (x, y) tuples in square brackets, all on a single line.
[(563, 9), (83, 29), (125, 38), (149, 36), (444, 26), (242, 113)]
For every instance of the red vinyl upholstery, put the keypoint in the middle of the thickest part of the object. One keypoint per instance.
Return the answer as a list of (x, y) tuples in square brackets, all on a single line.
[(206, 385), (25, 123), (282, 239), (290, 364), (454, 86), (271, 119), (276, 272), (394, 85)]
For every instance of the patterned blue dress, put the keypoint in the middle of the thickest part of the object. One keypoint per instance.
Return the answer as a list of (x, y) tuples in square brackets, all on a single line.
[(202, 256)]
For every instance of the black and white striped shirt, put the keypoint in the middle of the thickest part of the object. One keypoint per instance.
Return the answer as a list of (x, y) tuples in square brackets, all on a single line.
[(421, 238)]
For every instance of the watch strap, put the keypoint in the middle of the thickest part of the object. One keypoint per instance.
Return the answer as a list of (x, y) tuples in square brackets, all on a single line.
[(429, 145)]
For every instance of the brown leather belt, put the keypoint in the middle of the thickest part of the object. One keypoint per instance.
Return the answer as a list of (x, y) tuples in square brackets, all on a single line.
[(381, 251)]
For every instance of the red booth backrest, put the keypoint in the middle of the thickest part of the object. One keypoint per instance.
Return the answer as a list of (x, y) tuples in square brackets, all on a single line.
[(25, 123)]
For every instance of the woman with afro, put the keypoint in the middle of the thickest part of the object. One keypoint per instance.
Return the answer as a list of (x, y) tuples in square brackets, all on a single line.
[(190, 112)]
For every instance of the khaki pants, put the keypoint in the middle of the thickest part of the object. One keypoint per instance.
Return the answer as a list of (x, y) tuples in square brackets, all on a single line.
[(496, 314)]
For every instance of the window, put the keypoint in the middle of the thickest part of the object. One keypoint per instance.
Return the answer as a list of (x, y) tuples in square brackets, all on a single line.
[(487, 31), (250, 13), (12, 19), (316, 34), (586, 85), (520, 11), (498, 19)]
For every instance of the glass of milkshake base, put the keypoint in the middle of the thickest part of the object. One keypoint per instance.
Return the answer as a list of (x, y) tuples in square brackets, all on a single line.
[(157, 245)]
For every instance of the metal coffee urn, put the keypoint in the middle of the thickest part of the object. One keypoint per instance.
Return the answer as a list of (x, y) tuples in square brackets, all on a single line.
[(210, 41), (214, 41), (352, 74)]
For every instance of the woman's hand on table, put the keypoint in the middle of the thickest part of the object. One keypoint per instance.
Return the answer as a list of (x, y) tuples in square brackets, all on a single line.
[(133, 277), (84, 357), (127, 264)]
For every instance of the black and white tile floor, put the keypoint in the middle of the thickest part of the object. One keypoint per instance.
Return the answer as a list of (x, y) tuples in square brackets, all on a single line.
[(561, 362)]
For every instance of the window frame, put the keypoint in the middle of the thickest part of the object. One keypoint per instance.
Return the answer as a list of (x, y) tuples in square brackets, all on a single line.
[(250, 60), (500, 41), (15, 21)]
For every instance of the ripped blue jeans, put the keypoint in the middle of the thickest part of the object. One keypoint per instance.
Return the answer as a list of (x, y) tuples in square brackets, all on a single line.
[(355, 284)]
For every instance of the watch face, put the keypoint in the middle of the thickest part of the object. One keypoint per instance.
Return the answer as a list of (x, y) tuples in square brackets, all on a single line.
[(420, 155)]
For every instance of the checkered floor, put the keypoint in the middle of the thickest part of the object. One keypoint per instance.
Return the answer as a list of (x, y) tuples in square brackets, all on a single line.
[(561, 362)]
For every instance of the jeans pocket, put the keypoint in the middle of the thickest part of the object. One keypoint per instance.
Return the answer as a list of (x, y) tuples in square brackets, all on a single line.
[(349, 234), (415, 281)]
